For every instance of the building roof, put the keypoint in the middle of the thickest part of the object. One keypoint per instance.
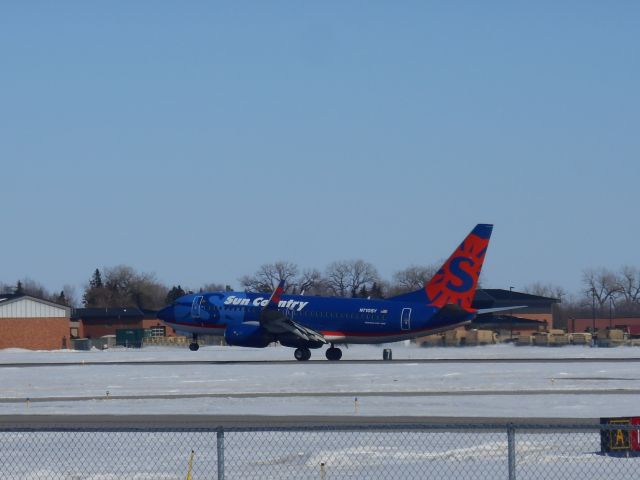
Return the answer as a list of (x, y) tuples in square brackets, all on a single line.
[(107, 313), (501, 294), (18, 304), (126, 312), (12, 297)]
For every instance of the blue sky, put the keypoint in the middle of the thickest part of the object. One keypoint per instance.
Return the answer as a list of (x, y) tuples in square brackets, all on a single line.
[(199, 140)]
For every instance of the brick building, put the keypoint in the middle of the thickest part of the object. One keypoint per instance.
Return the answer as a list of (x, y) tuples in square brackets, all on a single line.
[(33, 323), (96, 322), (540, 314), (628, 324)]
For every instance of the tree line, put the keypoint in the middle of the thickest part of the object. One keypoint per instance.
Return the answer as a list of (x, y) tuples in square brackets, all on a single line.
[(123, 286), (28, 286), (607, 289), (604, 292)]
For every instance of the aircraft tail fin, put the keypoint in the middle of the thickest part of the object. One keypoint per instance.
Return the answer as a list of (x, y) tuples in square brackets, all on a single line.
[(456, 281)]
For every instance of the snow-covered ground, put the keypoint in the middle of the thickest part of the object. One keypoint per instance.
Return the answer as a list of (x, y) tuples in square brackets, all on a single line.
[(591, 389), (448, 388), (353, 352)]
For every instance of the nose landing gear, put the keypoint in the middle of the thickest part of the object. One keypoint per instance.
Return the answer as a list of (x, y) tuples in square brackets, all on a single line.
[(193, 346)]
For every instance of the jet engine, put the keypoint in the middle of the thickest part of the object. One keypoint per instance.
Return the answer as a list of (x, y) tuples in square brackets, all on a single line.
[(247, 334)]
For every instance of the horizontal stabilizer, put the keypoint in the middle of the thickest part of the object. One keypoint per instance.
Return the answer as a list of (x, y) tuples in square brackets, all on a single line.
[(453, 314), (499, 309)]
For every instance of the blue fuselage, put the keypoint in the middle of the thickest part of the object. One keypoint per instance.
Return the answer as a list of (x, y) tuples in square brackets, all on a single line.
[(339, 320)]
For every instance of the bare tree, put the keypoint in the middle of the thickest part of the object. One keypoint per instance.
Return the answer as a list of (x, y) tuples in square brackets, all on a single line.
[(629, 284), (546, 290), (69, 293), (311, 282), (268, 276), (347, 277), (413, 278), (337, 276), (124, 287), (213, 287), (119, 282), (35, 289), (7, 288), (600, 283)]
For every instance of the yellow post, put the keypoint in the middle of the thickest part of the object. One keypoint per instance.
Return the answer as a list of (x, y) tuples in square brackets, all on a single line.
[(190, 465)]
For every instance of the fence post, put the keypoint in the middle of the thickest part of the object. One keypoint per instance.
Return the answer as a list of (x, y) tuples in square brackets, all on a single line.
[(511, 447), (220, 450)]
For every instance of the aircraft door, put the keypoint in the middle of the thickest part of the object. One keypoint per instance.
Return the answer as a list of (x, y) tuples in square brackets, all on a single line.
[(195, 306), (405, 319)]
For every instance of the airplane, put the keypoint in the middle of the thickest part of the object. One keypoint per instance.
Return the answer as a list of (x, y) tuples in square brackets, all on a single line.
[(307, 322)]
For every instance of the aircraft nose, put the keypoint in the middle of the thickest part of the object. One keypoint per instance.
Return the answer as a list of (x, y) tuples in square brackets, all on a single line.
[(167, 314)]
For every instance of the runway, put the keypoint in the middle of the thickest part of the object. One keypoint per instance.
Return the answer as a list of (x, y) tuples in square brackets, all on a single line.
[(320, 394), (229, 422), (483, 381), (325, 362)]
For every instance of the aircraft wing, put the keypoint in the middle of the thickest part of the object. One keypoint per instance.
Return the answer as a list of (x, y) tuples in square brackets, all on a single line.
[(281, 324), (274, 321)]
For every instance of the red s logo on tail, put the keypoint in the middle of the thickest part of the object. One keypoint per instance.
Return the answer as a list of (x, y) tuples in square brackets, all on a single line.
[(457, 279)]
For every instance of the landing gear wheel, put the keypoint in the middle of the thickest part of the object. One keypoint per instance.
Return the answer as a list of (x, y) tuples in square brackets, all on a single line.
[(193, 346), (302, 354), (333, 354)]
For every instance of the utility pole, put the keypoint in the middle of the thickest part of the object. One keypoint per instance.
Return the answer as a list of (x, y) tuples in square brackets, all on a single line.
[(593, 313), (511, 313), (610, 313)]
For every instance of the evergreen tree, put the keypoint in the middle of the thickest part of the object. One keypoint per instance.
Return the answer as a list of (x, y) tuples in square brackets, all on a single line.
[(363, 292), (174, 294), (376, 291), (19, 287), (96, 280), (61, 299), (95, 293)]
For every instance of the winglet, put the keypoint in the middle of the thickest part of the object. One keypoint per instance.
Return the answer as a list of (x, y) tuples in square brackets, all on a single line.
[(274, 300)]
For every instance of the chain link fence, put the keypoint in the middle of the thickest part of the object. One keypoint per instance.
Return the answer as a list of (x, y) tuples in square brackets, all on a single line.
[(418, 451)]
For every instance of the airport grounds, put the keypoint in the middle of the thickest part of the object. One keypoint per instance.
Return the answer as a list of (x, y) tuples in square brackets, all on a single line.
[(491, 411)]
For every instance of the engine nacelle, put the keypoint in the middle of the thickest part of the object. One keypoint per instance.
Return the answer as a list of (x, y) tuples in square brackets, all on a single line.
[(248, 334)]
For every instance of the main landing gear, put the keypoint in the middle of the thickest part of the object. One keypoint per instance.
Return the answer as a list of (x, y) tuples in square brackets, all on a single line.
[(193, 346), (333, 353), (302, 354)]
